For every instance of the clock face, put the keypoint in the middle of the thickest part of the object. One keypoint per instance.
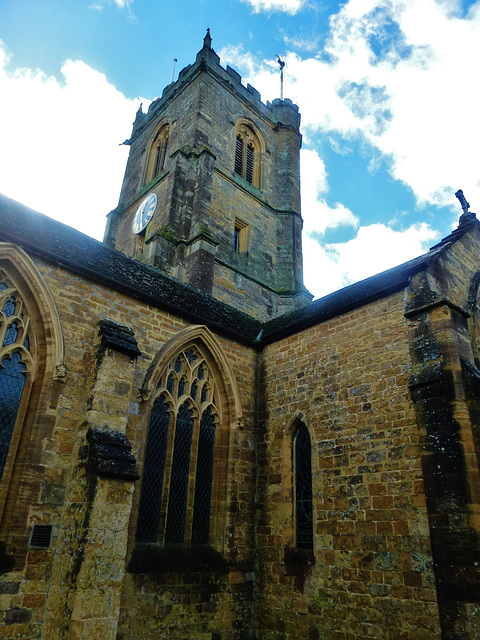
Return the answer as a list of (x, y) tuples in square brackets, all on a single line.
[(144, 213)]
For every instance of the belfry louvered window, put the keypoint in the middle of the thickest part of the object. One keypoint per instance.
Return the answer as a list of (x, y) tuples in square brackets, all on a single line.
[(247, 155), (239, 155), (302, 457), (157, 154), (15, 358), (249, 163), (176, 495)]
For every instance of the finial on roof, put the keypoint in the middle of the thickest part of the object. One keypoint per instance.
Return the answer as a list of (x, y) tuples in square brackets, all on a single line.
[(463, 202), (467, 216), (207, 41)]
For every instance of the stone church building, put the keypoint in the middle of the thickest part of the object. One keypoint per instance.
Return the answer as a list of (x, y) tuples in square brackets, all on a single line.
[(190, 447)]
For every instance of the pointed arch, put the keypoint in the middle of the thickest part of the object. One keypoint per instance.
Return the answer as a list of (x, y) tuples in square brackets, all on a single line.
[(249, 151), (302, 479), (192, 405), (31, 350), (27, 279), (157, 152), (302, 472), (201, 335)]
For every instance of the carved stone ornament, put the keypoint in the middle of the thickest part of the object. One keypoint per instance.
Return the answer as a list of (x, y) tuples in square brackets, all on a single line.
[(245, 133), (60, 372)]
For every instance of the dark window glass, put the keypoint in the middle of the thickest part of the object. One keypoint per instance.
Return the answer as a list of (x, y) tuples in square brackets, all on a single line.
[(190, 355), (170, 454), (203, 479), (11, 334), (194, 390), (3, 286), (236, 240), (12, 381), (9, 307), (152, 484), (303, 488), (181, 388), (177, 499)]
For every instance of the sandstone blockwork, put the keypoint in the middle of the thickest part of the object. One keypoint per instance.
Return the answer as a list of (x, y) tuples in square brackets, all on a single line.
[(181, 459)]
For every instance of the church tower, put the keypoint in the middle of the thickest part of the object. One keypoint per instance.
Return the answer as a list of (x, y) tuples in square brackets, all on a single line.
[(211, 193)]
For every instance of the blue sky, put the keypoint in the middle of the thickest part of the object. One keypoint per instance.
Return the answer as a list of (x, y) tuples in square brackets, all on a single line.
[(387, 90)]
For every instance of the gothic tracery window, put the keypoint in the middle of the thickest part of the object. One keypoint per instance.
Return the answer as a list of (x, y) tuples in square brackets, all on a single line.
[(15, 360), (175, 500), (302, 457)]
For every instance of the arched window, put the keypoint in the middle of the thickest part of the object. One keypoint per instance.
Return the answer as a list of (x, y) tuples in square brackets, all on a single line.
[(302, 458), (157, 154), (247, 162), (15, 362), (175, 500)]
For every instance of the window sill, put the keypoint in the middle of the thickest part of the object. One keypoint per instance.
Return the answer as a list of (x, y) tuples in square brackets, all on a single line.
[(248, 186), (298, 560), (151, 558)]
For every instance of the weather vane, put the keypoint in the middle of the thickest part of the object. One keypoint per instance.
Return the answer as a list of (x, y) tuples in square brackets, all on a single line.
[(282, 64)]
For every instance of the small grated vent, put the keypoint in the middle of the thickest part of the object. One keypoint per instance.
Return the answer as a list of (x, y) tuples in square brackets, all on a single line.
[(41, 535)]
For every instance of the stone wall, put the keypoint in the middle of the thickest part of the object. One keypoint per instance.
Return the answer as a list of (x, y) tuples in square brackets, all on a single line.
[(78, 586), (370, 572)]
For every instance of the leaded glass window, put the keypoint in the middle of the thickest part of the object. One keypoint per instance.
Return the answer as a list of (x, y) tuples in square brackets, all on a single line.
[(11, 334), (176, 496), (12, 381), (153, 469), (9, 307), (203, 482), (15, 359), (302, 450)]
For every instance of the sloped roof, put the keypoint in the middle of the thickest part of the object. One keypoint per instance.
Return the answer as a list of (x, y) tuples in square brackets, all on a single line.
[(78, 252), (360, 293), (74, 250)]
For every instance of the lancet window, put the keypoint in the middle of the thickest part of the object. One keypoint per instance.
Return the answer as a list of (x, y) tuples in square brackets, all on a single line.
[(15, 362), (176, 494), (302, 457)]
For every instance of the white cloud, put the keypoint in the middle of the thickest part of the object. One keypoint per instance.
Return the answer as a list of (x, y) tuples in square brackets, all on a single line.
[(375, 248), (121, 4), (400, 75), (318, 216), (287, 6), (63, 136)]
